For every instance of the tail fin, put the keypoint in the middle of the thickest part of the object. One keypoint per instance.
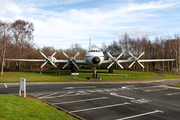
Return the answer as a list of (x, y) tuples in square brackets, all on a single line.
[(90, 46)]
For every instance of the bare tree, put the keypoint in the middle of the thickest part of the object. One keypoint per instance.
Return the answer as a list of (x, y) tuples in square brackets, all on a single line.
[(4, 37), (22, 31)]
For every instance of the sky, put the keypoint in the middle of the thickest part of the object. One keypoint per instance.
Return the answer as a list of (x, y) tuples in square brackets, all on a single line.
[(60, 23)]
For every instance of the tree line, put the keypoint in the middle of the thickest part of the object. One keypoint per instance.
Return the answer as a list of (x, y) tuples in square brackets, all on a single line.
[(16, 42)]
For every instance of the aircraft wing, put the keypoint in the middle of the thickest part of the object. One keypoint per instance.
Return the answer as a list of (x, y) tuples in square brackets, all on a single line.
[(156, 60), (119, 61), (61, 61), (28, 60), (105, 62), (81, 62), (123, 61), (77, 61)]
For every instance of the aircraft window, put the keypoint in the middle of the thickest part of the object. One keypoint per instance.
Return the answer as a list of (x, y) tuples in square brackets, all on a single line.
[(94, 51)]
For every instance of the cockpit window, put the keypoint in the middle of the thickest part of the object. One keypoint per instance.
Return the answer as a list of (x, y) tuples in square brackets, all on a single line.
[(94, 50)]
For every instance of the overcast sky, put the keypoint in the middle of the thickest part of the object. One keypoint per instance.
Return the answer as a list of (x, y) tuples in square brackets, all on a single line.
[(60, 23)]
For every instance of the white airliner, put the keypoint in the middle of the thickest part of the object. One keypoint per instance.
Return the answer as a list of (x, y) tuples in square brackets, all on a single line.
[(94, 57)]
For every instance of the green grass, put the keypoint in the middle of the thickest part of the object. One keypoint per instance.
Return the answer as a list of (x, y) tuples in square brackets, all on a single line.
[(131, 75), (176, 85), (169, 76), (84, 74), (19, 108)]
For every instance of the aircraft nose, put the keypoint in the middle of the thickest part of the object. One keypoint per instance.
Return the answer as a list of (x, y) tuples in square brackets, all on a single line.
[(96, 60)]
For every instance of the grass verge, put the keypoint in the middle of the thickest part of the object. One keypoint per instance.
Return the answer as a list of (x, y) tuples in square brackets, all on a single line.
[(83, 75), (19, 108), (176, 85), (169, 76), (64, 75)]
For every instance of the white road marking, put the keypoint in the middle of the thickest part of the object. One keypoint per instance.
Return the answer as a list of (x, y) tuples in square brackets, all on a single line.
[(173, 93), (114, 94), (156, 111), (115, 90), (98, 90), (81, 93), (107, 90), (39, 94), (91, 91), (100, 107), (47, 95), (56, 96), (80, 87), (81, 100), (129, 86), (155, 90), (5, 86), (66, 94), (141, 101)]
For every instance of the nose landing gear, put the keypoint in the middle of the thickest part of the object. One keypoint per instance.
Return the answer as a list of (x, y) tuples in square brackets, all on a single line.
[(95, 75)]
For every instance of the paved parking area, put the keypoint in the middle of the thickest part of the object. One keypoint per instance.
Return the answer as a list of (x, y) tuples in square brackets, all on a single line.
[(115, 101)]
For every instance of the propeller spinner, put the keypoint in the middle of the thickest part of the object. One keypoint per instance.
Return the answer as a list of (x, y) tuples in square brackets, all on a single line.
[(115, 60), (71, 60), (136, 60), (50, 59)]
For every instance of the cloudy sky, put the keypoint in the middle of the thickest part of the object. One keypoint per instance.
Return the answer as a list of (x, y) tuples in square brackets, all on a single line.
[(60, 23)]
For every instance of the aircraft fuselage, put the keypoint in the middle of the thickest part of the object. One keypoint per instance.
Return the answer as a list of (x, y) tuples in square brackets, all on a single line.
[(94, 57)]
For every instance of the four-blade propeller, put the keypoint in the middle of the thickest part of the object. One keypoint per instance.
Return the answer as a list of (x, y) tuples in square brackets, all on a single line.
[(136, 60), (114, 60), (49, 59), (71, 60)]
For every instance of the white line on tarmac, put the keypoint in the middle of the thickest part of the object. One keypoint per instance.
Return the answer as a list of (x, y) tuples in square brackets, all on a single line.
[(155, 90), (129, 86), (5, 86), (173, 93), (81, 100), (38, 94), (47, 95), (66, 94), (80, 87), (156, 111), (99, 107), (114, 94)]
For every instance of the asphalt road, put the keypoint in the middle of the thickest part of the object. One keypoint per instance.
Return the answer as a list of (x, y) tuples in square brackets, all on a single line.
[(109, 101)]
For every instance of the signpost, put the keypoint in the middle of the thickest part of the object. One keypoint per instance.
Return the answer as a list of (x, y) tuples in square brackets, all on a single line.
[(22, 83), (75, 75)]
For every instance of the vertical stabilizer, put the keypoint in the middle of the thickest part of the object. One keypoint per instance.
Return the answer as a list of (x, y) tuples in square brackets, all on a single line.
[(90, 44)]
